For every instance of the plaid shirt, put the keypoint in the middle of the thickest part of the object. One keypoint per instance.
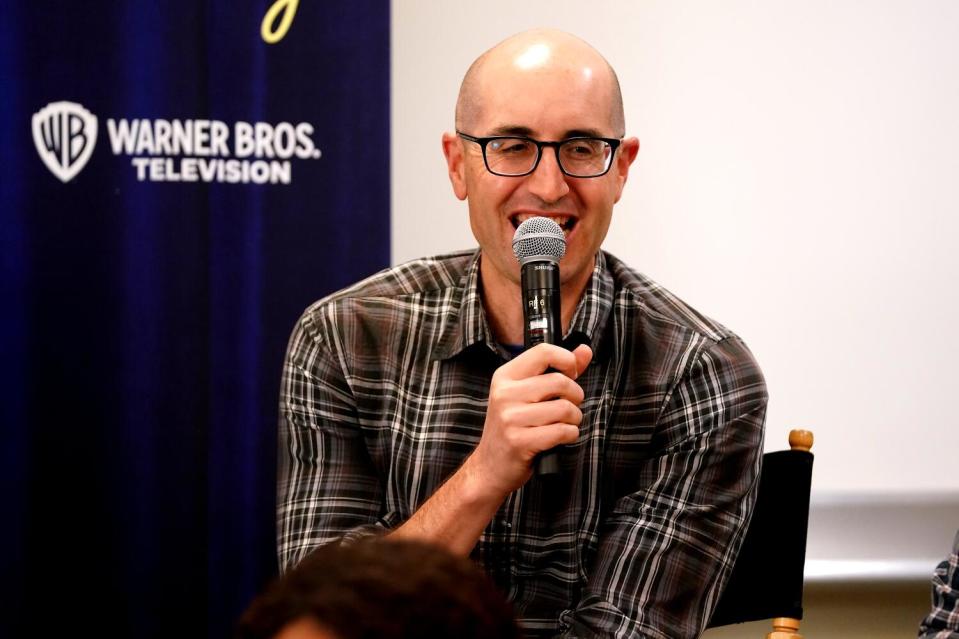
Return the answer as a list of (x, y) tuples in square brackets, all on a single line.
[(384, 394), (943, 620)]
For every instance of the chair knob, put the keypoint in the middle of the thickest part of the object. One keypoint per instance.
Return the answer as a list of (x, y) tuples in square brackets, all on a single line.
[(800, 439), (785, 628)]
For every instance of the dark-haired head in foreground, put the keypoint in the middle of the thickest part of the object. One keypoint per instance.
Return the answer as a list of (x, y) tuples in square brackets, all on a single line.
[(380, 588)]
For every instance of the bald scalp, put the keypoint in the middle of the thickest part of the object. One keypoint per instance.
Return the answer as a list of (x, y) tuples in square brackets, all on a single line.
[(469, 102)]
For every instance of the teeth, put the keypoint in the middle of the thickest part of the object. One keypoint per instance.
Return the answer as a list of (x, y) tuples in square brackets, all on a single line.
[(562, 220)]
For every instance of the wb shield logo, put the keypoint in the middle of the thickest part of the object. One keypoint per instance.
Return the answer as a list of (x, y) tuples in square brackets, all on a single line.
[(65, 134)]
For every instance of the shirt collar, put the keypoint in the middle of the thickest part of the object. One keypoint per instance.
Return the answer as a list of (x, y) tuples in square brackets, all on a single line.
[(592, 312), (466, 322)]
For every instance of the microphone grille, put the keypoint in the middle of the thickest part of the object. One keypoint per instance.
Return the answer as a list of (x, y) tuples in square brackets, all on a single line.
[(539, 237)]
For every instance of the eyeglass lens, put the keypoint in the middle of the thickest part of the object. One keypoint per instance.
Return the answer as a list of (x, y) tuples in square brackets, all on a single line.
[(584, 157)]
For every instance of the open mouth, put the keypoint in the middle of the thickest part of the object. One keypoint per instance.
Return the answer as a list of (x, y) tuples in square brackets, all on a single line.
[(566, 222)]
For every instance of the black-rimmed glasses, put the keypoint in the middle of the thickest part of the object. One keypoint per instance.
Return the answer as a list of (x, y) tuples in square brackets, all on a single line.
[(516, 156)]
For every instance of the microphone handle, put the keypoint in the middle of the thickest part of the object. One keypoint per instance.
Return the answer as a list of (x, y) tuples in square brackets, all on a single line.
[(547, 463), (542, 323)]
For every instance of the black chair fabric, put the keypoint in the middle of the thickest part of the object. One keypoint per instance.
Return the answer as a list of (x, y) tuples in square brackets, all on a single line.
[(767, 579)]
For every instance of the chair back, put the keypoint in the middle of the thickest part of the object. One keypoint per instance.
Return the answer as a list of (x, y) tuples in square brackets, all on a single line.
[(767, 579)]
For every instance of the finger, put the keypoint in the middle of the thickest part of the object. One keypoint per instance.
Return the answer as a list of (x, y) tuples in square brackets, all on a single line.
[(540, 413), (536, 360), (546, 386), (549, 436), (583, 355)]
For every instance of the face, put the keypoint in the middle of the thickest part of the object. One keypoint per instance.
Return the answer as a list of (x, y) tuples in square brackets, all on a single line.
[(304, 628), (549, 102)]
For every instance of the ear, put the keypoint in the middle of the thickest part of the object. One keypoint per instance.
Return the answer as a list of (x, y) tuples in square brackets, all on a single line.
[(453, 150), (624, 158)]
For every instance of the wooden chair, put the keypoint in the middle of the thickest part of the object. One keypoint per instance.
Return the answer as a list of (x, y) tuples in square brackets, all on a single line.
[(767, 579)]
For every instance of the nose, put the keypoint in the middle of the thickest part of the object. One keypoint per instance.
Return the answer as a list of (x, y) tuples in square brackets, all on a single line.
[(547, 182)]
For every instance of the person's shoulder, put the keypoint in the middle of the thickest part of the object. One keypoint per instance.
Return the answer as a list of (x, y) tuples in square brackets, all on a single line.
[(634, 291), (416, 277), (679, 340), (417, 280)]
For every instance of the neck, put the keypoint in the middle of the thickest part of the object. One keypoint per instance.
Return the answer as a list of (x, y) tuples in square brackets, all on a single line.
[(504, 310)]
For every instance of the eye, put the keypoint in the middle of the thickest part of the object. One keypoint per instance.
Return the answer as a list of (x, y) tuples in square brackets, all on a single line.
[(510, 146), (582, 148)]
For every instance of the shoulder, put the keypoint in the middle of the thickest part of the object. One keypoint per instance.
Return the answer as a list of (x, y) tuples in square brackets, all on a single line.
[(423, 275), (422, 286), (638, 293), (677, 343)]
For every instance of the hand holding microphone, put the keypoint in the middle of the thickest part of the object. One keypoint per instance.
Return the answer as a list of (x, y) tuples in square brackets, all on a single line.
[(539, 244), (533, 406), (534, 398)]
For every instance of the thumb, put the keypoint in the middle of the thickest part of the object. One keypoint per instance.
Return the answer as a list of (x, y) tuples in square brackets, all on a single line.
[(584, 355)]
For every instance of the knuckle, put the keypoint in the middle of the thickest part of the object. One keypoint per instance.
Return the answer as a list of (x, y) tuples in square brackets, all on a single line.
[(578, 393), (577, 417), (499, 393), (573, 391), (560, 380), (512, 416)]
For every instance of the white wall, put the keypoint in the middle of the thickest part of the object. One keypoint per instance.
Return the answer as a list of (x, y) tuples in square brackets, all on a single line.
[(797, 181)]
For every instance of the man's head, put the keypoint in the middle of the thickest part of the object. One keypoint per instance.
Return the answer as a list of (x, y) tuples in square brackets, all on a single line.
[(380, 588), (549, 86)]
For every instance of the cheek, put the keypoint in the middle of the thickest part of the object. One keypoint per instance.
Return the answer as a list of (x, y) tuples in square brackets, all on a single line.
[(596, 199), (493, 196)]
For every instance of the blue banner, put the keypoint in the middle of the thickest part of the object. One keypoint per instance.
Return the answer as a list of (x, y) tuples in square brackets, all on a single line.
[(178, 181)]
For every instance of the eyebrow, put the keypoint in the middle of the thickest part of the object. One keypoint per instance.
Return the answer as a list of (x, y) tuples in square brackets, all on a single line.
[(509, 129)]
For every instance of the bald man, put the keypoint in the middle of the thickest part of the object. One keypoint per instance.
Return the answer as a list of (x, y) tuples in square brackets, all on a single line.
[(409, 407)]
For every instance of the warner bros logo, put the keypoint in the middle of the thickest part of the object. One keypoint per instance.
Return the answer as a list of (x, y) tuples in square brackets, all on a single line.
[(64, 134)]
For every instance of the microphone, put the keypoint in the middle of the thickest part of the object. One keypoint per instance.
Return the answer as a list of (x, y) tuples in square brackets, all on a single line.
[(539, 244)]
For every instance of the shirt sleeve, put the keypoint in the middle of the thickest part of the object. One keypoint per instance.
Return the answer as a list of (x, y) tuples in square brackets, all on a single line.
[(327, 486), (666, 551), (943, 620)]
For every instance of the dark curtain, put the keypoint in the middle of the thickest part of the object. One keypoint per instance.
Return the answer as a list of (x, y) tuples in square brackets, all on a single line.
[(144, 322)]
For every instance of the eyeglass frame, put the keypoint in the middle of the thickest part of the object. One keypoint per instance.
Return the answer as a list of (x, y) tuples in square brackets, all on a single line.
[(483, 142)]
